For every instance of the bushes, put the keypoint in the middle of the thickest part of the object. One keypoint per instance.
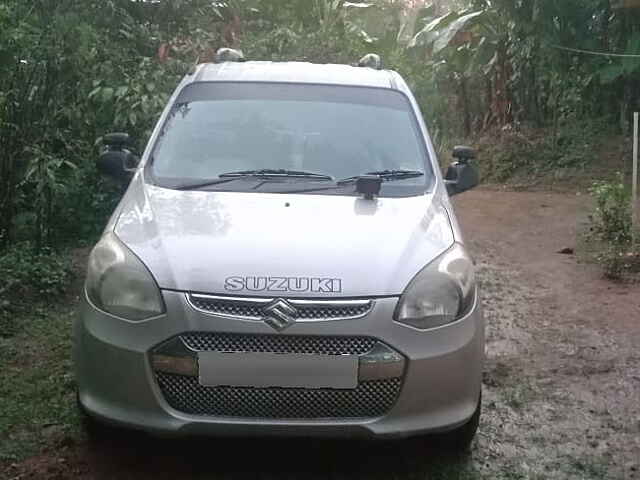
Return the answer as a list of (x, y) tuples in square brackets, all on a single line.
[(526, 154), (29, 277), (72, 76), (611, 229), (611, 221), (27, 272)]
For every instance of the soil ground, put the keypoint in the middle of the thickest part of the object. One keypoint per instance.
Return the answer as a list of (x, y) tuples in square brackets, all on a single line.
[(562, 379)]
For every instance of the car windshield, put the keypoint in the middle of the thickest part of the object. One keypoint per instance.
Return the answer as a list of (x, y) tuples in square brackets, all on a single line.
[(339, 132)]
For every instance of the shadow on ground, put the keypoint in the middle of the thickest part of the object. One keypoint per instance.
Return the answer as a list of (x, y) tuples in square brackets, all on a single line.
[(133, 455)]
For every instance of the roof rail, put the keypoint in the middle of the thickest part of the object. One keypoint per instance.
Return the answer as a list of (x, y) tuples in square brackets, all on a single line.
[(228, 55), (371, 60)]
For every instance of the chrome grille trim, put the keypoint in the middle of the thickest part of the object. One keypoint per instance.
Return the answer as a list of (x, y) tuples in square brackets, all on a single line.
[(250, 308), (369, 400)]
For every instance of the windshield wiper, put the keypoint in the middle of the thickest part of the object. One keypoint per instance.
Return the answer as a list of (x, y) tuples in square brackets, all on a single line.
[(252, 174), (273, 172), (206, 183), (386, 175)]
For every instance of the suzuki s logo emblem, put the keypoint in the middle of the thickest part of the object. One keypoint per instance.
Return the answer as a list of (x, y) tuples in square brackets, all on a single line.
[(279, 314)]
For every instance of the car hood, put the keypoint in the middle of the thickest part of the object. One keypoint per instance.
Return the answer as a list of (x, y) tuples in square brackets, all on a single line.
[(262, 244)]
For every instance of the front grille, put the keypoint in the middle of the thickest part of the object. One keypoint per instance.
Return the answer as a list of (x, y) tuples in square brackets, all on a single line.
[(373, 397), (305, 310), (227, 307), (369, 399), (232, 342)]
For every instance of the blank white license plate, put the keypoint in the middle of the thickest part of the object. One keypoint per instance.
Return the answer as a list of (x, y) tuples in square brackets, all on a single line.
[(277, 370)]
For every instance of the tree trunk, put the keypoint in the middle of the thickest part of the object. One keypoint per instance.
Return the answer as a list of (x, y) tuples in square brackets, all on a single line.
[(464, 98)]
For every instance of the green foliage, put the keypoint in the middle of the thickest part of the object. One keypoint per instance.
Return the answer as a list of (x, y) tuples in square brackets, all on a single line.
[(136, 100), (611, 229), (509, 154), (72, 77), (502, 64), (45, 174), (617, 263), (611, 221), (36, 384), (29, 277)]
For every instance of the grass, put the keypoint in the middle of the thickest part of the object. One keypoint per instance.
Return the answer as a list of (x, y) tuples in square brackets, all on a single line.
[(36, 384)]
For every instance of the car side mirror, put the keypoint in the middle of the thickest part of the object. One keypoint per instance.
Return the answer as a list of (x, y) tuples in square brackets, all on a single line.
[(461, 176), (116, 160), (463, 154)]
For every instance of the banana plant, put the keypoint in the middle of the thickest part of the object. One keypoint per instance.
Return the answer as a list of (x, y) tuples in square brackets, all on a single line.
[(467, 45), (332, 13)]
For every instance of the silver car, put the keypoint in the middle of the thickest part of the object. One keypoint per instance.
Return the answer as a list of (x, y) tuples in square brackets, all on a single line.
[(285, 260)]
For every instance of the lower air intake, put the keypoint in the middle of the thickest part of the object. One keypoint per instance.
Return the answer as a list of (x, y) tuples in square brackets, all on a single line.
[(369, 399)]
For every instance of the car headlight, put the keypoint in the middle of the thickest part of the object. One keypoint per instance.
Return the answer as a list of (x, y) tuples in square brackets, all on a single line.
[(120, 284), (441, 293)]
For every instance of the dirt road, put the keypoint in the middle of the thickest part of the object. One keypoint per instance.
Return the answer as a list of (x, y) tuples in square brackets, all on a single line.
[(563, 359), (562, 382)]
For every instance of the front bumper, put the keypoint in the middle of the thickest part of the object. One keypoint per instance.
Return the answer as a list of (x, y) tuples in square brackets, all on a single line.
[(117, 382)]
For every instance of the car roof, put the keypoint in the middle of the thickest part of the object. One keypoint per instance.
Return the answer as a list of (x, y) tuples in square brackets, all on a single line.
[(296, 72)]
